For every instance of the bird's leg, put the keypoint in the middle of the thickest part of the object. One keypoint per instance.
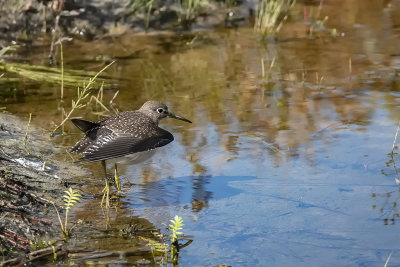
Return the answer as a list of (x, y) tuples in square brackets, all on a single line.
[(106, 190), (117, 180)]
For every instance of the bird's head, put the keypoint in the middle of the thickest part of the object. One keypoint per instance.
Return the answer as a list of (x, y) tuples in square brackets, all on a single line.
[(157, 111)]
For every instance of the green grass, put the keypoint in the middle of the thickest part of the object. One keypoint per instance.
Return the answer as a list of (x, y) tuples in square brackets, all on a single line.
[(145, 7), (270, 15), (47, 74), (82, 96), (189, 10)]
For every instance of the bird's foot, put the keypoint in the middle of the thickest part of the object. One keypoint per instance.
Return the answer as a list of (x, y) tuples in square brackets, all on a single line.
[(117, 180)]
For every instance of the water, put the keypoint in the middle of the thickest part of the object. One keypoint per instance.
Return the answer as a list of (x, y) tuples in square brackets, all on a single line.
[(315, 208), (281, 167)]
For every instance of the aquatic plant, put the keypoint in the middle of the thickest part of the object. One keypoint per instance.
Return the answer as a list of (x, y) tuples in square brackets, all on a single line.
[(395, 137), (157, 248), (82, 94), (175, 227), (5, 49), (230, 3), (98, 100), (43, 73), (265, 74), (144, 6), (46, 74), (270, 15), (26, 138), (62, 69), (169, 252), (316, 24), (387, 260), (38, 244), (392, 154), (70, 198), (188, 10)]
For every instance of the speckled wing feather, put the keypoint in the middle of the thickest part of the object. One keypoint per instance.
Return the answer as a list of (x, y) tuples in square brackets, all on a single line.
[(120, 135), (121, 144), (90, 129)]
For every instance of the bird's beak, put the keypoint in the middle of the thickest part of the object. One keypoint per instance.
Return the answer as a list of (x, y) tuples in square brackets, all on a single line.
[(172, 115)]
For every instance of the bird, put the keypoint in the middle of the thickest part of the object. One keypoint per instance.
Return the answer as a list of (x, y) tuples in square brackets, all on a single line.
[(128, 137)]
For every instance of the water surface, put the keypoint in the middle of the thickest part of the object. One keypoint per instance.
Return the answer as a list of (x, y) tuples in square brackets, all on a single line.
[(287, 161)]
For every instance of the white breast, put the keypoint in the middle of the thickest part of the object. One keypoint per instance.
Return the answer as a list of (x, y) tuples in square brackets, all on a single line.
[(133, 158)]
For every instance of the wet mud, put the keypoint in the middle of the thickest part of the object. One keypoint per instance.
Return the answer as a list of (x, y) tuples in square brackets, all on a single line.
[(31, 186)]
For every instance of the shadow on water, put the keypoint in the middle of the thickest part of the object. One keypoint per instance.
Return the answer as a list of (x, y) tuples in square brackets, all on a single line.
[(191, 192)]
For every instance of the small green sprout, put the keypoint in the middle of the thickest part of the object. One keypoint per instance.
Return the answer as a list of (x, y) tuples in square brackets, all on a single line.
[(71, 197)]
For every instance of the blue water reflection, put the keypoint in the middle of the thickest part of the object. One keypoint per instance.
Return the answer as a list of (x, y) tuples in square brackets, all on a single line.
[(319, 207)]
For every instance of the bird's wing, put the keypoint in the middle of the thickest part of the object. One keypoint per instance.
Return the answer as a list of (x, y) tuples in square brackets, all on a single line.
[(116, 144), (84, 125)]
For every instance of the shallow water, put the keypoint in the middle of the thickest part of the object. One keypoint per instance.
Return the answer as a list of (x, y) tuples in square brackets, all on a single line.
[(290, 166)]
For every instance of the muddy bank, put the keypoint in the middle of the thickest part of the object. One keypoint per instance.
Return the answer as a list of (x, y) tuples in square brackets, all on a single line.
[(34, 175), (22, 19), (31, 180)]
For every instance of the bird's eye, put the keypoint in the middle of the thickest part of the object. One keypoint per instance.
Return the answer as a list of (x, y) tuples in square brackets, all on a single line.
[(160, 110)]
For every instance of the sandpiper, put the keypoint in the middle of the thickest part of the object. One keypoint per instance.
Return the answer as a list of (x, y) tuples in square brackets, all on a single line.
[(127, 137)]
